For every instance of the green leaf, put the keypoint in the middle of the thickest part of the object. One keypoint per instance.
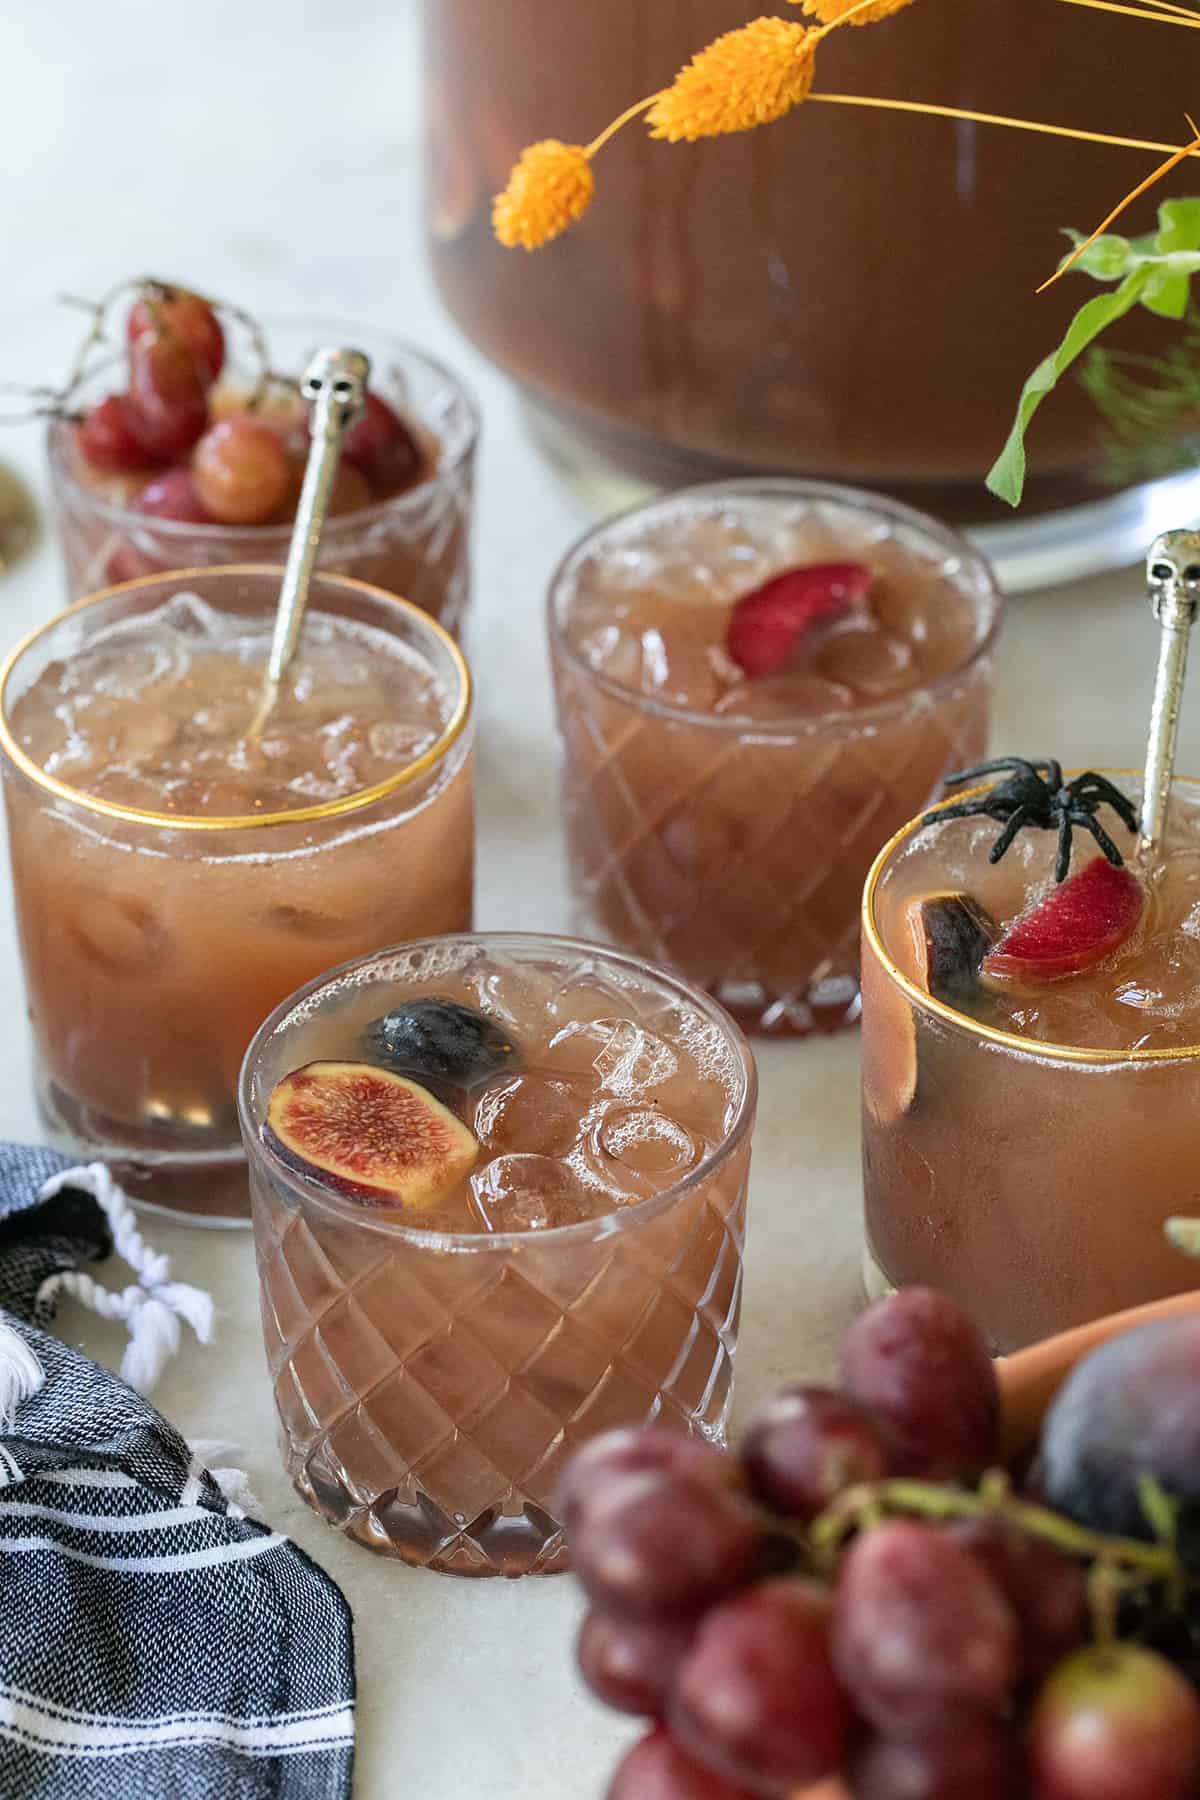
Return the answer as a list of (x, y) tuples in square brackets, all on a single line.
[(1107, 259), (1006, 478), (1161, 1511), (1178, 225), (1168, 294)]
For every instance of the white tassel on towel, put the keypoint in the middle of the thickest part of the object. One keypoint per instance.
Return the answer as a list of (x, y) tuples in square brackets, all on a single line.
[(21, 1374), (152, 1307)]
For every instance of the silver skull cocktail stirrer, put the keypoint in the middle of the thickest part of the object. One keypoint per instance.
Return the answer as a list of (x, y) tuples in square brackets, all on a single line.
[(1173, 577), (335, 385)]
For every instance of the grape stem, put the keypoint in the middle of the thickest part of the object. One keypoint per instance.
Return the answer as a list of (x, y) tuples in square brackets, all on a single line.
[(1130, 1561)]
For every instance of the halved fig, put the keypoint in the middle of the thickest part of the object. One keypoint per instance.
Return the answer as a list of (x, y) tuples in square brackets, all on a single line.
[(1075, 927), (951, 935), (373, 1136), (766, 625)]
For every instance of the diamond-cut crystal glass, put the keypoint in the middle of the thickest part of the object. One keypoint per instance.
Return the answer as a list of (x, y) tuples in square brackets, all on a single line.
[(416, 544), (736, 854), (431, 1385)]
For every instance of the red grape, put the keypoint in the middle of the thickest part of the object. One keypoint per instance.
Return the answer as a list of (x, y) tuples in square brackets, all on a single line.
[(756, 1696), (631, 1666), (242, 471), (1115, 1723), (657, 1769), (172, 495), (167, 407), (127, 563), (1047, 1592), (105, 437), (658, 1545), (920, 1632), (176, 312), (921, 1368), (804, 1445), (635, 1451), (974, 1759), (382, 447)]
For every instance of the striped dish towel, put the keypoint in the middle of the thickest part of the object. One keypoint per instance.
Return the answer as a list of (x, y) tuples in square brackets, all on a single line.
[(156, 1642)]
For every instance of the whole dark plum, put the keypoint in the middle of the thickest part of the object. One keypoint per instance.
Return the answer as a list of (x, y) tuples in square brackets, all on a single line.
[(442, 1038), (1130, 1409)]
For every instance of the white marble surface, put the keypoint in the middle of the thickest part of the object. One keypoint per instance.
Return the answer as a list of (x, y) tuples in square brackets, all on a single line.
[(268, 152)]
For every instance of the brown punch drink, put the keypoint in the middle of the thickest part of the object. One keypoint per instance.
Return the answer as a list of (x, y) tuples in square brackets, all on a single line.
[(843, 294), (1031, 1067), (499, 1192), (177, 872), (758, 683)]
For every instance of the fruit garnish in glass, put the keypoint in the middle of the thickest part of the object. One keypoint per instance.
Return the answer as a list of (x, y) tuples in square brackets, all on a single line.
[(1031, 1046), (757, 683), (499, 1189)]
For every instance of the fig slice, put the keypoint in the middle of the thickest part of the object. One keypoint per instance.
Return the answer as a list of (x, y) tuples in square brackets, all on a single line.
[(369, 1134), (766, 625), (952, 934), (1072, 929)]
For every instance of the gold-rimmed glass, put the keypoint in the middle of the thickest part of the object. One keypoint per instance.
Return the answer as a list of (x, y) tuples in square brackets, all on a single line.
[(1029, 1179), (154, 943)]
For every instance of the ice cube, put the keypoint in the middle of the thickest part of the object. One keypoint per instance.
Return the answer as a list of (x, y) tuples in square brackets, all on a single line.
[(867, 659), (532, 1112), (647, 1141), (629, 1061), (190, 617), (799, 696), (518, 995), (531, 1193), (119, 932)]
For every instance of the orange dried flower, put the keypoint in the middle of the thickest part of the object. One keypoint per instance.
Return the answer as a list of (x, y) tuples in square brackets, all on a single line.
[(744, 78), (832, 12), (551, 185)]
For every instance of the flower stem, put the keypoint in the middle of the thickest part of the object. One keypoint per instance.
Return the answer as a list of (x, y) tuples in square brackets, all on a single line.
[(1171, 15), (982, 118), (631, 112)]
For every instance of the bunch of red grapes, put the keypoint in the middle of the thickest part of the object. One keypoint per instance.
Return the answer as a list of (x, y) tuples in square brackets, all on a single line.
[(214, 455), (852, 1595)]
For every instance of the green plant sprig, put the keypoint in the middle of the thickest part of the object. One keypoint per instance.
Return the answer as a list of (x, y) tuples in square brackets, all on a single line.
[(1154, 271)]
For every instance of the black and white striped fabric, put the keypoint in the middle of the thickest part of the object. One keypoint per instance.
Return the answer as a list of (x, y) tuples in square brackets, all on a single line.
[(156, 1642)]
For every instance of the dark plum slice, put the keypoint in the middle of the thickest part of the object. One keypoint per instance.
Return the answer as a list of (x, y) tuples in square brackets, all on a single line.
[(952, 934)]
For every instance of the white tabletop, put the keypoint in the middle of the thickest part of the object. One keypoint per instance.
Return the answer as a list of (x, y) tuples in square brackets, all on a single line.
[(268, 152)]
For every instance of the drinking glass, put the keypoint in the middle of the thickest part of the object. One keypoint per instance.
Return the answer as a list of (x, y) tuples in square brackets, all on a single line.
[(154, 943), (430, 1384), (416, 544)]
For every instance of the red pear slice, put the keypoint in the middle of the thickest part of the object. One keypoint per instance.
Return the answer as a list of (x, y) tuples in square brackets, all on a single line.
[(766, 625), (1075, 927)]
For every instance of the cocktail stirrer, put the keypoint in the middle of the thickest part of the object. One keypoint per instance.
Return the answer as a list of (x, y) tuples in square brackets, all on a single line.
[(1173, 579), (335, 385)]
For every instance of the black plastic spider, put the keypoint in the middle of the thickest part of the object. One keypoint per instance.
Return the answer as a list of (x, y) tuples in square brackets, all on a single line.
[(1036, 794)]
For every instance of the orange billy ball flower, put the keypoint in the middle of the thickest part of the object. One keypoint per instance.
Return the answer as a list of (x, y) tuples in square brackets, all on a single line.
[(550, 186), (745, 78), (832, 12)]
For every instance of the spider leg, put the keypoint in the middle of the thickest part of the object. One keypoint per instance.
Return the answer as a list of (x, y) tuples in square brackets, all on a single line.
[(1091, 823), (1091, 785), (998, 764), (1008, 834), (962, 809), (1063, 862), (1053, 773)]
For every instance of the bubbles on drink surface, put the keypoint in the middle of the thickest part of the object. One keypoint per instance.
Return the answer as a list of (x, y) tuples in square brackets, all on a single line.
[(611, 1093), (155, 712)]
